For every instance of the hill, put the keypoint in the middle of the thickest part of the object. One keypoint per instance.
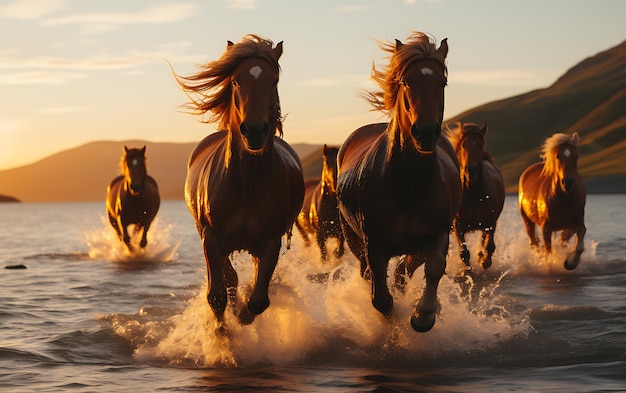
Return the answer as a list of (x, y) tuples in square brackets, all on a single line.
[(83, 173), (590, 98)]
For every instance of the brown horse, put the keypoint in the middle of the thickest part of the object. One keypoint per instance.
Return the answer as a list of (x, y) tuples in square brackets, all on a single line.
[(320, 215), (552, 195), (244, 185), (398, 184), (483, 191), (133, 197)]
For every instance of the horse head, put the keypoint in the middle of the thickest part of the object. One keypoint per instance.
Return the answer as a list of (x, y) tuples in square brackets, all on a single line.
[(471, 150), (329, 168), (134, 169), (255, 98), (560, 154), (420, 93)]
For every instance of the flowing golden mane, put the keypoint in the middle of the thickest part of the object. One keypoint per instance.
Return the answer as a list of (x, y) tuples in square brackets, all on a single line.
[(417, 47), (550, 148), (210, 90)]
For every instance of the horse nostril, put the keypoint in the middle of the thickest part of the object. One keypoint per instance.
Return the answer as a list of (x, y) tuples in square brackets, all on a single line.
[(426, 135)]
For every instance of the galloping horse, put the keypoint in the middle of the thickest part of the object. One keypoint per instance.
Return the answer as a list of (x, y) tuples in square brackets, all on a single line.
[(483, 190), (552, 195), (133, 197), (320, 215), (244, 185), (398, 184)]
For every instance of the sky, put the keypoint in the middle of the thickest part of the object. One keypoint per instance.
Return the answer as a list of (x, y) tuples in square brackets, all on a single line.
[(76, 71)]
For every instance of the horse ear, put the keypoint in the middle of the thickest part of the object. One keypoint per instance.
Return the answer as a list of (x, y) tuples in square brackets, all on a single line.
[(143, 149), (575, 138), (278, 50), (483, 129), (398, 44), (229, 43), (125, 149), (325, 149), (443, 48)]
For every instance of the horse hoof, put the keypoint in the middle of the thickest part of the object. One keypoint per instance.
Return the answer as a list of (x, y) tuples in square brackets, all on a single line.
[(245, 317), (258, 306), (423, 322), (486, 264), (571, 262), (384, 304)]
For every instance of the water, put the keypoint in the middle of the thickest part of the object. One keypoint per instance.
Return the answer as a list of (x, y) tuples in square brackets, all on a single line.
[(85, 316)]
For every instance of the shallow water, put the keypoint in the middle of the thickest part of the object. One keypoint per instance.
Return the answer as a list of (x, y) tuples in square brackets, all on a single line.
[(85, 316)]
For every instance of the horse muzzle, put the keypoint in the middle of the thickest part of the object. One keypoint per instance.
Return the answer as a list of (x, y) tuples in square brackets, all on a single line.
[(426, 136), (255, 134), (135, 189)]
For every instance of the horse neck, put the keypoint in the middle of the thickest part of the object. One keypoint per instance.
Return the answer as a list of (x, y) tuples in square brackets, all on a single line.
[(328, 181)]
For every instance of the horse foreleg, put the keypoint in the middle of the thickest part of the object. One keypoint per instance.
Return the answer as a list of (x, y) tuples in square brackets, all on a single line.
[(423, 317), (355, 244), (321, 243), (547, 237), (530, 229), (406, 267), (489, 246), (216, 259), (265, 265), (573, 259), (340, 250), (463, 250), (125, 236), (301, 229), (378, 263)]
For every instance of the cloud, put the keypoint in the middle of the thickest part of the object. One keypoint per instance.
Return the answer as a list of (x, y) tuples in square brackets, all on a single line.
[(499, 78), (30, 9), (104, 21), (242, 4), (38, 77), (61, 110)]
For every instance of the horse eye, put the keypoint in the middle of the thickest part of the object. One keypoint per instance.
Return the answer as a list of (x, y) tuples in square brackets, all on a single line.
[(403, 82), (234, 83)]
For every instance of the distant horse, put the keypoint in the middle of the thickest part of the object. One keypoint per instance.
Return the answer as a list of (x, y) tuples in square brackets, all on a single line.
[(483, 191), (244, 185), (398, 184), (552, 195), (320, 215), (133, 197)]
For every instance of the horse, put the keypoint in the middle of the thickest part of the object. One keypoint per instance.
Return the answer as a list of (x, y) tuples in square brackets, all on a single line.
[(483, 191), (132, 197), (320, 215), (244, 185), (552, 195), (398, 183)]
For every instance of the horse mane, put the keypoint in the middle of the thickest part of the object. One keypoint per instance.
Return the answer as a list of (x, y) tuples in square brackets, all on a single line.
[(210, 89), (418, 46), (550, 147), (456, 134)]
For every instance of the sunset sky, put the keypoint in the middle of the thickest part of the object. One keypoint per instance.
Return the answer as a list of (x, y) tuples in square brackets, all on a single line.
[(75, 71)]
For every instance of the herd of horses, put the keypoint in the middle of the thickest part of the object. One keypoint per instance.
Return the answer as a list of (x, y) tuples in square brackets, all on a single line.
[(391, 189)]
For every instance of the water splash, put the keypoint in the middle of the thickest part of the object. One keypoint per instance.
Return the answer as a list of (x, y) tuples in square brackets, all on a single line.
[(104, 244), (314, 320)]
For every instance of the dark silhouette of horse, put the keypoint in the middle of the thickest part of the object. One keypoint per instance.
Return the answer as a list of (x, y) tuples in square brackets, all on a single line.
[(398, 184), (320, 215), (552, 195), (483, 191), (133, 197), (244, 184)]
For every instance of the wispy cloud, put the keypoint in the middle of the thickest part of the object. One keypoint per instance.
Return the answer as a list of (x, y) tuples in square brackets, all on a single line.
[(44, 77), (242, 4), (105, 21), (507, 77), (62, 110), (30, 9)]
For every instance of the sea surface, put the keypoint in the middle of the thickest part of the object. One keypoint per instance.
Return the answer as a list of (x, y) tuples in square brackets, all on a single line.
[(78, 313)]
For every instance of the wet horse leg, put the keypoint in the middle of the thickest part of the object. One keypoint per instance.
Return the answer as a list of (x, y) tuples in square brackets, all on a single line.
[(302, 230), (216, 259), (321, 242), (265, 265), (464, 252), (423, 317), (339, 251), (573, 259), (489, 246), (378, 263), (144, 235), (406, 267), (355, 244), (547, 237), (530, 229)]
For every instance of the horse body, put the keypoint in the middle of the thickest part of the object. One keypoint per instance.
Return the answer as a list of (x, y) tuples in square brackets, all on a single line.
[(132, 198), (483, 191), (320, 215), (552, 195), (398, 183), (244, 185)]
